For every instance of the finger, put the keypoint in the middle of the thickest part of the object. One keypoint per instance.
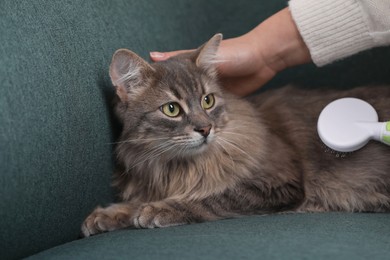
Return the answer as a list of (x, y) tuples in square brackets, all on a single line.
[(160, 56)]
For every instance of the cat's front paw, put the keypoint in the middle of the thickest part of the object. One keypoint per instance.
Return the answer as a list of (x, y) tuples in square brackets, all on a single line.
[(106, 219), (154, 215)]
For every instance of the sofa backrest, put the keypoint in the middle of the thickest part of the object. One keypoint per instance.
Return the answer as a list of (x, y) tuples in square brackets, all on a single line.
[(56, 128)]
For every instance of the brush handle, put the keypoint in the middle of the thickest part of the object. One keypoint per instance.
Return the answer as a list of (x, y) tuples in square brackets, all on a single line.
[(385, 133), (379, 131)]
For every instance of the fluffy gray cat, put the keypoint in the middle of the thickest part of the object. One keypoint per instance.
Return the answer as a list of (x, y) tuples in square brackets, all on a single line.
[(190, 152)]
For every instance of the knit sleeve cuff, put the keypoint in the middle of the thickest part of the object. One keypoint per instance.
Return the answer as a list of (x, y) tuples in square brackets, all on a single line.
[(331, 29)]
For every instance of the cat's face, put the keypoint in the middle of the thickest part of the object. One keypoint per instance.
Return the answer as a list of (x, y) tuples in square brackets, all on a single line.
[(173, 108)]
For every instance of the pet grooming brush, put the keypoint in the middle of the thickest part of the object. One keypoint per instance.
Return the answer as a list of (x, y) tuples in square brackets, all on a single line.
[(347, 124)]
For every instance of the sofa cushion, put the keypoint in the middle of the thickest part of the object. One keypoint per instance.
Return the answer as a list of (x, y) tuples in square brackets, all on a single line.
[(289, 236)]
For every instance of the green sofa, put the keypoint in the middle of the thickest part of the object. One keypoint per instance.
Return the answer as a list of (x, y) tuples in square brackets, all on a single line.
[(57, 130)]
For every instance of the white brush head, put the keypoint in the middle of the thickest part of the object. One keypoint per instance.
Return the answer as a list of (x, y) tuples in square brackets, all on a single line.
[(337, 124)]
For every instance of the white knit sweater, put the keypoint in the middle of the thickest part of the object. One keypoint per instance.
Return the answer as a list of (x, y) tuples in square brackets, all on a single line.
[(334, 29)]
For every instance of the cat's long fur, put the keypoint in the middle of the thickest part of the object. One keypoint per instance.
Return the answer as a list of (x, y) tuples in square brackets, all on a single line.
[(262, 155)]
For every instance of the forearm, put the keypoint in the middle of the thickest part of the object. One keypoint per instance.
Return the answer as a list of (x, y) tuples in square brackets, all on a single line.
[(334, 29), (279, 42)]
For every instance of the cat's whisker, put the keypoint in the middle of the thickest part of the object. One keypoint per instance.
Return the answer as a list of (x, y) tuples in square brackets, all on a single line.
[(146, 157), (223, 148), (183, 146), (178, 152), (234, 133), (152, 153), (173, 152), (147, 152), (235, 127), (155, 152), (181, 138), (140, 140), (234, 145)]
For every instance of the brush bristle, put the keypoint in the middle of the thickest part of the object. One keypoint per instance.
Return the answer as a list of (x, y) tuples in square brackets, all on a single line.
[(334, 153)]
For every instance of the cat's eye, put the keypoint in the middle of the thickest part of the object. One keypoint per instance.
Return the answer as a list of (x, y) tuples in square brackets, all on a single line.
[(171, 109), (208, 101)]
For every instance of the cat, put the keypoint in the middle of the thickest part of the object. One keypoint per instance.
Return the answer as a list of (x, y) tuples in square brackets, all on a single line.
[(191, 152)]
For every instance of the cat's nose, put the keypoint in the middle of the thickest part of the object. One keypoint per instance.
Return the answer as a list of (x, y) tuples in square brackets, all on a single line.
[(205, 131)]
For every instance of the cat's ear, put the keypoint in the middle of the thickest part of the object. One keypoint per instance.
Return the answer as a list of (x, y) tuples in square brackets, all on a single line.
[(127, 71), (206, 58)]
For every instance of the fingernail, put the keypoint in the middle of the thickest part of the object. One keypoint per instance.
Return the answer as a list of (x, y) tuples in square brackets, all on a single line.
[(155, 54)]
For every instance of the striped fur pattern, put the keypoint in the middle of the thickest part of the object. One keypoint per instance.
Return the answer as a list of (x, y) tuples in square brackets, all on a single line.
[(259, 156)]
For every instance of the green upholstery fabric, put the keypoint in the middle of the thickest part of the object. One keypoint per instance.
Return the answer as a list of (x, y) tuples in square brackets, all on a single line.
[(56, 127), (299, 236)]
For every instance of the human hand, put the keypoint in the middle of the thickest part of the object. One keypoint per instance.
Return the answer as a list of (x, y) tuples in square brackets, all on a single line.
[(241, 68), (251, 60)]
